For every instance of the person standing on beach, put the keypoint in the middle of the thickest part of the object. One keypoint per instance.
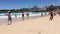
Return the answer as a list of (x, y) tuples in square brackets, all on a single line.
[(22, 15), (51, 15), (41, 14), (27, 15), (15, 15), (9, 18)]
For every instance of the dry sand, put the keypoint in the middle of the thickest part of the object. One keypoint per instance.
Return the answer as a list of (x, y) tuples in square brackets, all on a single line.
[(33, 26)]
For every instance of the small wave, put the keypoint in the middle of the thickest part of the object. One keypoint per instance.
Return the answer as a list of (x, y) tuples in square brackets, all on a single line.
[(19, 15)]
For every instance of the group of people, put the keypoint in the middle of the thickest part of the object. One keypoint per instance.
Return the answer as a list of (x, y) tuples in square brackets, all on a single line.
[(52, 14), (10, 19), (23, 15)]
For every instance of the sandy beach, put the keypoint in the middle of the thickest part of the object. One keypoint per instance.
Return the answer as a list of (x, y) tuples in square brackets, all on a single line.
[(33, 26)]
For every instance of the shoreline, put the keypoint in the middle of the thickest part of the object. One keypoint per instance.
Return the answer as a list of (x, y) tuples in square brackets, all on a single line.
[(14, 20)]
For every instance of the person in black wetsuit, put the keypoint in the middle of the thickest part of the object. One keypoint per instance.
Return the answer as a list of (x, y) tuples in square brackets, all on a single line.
[(9, 18)]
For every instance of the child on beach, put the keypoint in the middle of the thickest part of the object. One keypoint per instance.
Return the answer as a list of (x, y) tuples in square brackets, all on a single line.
[(9, 18)]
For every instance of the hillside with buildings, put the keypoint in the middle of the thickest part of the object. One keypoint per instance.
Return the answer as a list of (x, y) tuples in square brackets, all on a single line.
[(34, 9)]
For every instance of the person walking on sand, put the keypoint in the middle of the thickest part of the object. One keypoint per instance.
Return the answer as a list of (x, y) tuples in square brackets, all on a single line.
[(9, 18), (51, 15), (22, 15)]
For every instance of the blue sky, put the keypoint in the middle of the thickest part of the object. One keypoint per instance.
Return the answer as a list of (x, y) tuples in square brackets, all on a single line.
[(16, 4)]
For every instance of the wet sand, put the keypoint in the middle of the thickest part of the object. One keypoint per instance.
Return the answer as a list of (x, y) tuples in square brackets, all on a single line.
[(15, 20), (33, 26)]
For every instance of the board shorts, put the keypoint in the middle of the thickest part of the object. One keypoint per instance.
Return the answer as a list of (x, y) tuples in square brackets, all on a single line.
[(9, 19), (51, 17)]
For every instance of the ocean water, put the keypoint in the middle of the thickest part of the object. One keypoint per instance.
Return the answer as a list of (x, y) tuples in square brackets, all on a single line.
[(3, 15)]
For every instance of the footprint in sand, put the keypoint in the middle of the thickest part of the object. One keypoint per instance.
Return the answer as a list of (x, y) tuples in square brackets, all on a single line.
[(34, 32)]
